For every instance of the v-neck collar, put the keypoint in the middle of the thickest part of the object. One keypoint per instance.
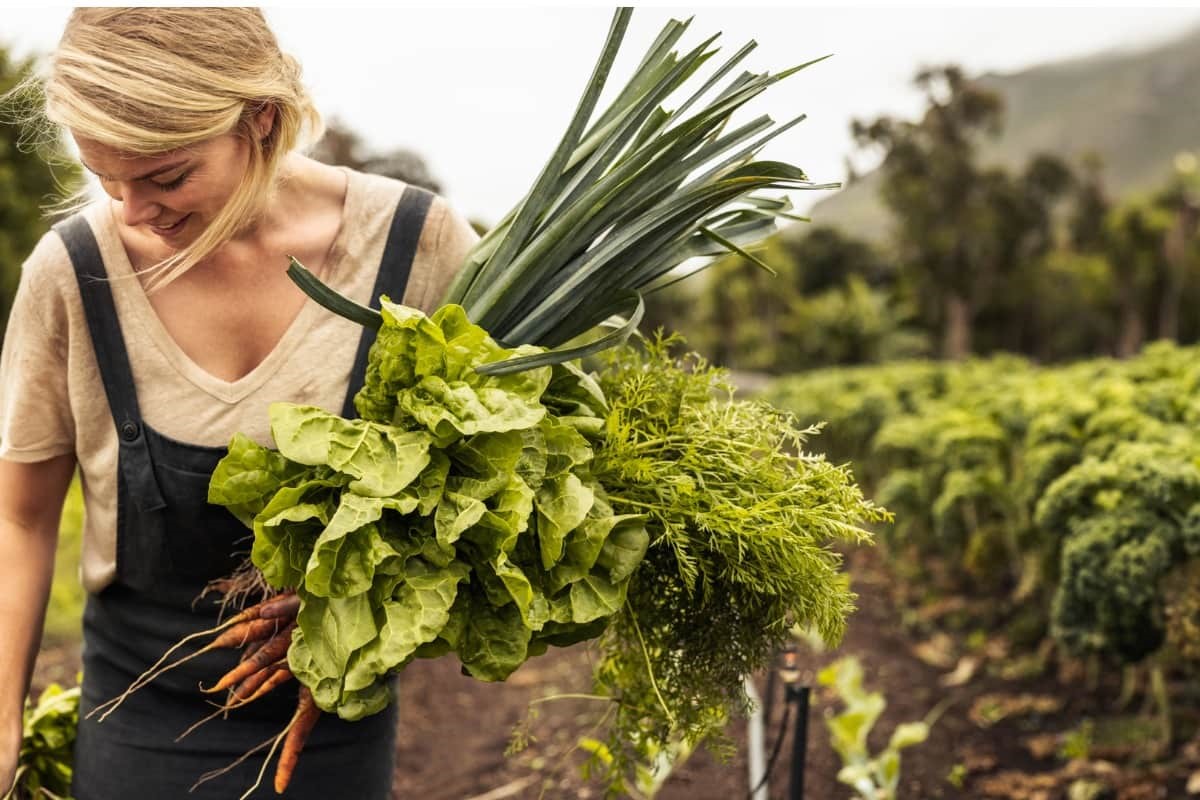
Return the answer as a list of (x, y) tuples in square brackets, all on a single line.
[(126, 282)]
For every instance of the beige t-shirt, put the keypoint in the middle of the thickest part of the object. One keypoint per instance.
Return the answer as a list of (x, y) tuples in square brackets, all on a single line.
[(52, 400)]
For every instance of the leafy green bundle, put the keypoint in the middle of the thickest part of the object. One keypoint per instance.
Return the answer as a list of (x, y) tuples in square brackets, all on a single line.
[(47, 744), (459, 514), (740, 522)]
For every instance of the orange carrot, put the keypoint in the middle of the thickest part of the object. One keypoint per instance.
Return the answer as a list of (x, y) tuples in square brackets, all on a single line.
[(276, 606), (275, 649), (301, 725), (253, 631), (281, 605), (247, 691), (234, 635), (250, 649), (249, 685), (278, 677)]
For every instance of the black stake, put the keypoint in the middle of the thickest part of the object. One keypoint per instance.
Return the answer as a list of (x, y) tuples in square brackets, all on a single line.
[(796, 700), (799, 695), (769, 695)]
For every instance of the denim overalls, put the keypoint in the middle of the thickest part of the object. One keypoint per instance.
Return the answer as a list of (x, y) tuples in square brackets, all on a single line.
[(170, 544)]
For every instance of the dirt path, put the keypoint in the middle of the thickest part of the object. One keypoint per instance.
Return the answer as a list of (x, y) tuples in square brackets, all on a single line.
[(454, 730)]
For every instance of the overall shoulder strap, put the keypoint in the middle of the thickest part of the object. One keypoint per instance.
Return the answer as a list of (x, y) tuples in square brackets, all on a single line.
[(392, 279), (101, 313), (111, 357)]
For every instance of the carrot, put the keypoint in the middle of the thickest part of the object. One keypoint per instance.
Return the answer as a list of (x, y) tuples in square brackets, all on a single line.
[(234, 635), (250, 685), (277, 677), (283, 607), (275, 649), (247, 691), (150, 674), (301, 725), (250, 650), (253, 631), (216, 773)]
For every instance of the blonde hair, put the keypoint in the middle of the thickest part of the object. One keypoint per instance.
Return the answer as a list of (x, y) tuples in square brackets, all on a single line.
[(151, 80)]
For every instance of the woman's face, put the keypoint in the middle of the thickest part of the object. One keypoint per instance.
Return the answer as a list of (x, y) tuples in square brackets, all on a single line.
[(173, 196)]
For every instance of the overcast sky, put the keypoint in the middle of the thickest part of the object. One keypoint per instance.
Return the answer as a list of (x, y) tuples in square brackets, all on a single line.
[(484, 94)]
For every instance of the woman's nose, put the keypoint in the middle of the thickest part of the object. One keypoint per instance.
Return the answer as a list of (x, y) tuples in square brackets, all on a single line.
[(136, 207)]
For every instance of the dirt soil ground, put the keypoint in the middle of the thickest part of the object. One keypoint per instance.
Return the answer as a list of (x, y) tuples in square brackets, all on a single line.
[(996, 737)]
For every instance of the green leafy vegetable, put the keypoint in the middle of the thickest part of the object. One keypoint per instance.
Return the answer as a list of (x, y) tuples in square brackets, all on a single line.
[(458, 515), (44, 766)]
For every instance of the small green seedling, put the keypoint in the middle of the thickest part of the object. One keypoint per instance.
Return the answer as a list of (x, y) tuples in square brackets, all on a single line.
[(872, 777)]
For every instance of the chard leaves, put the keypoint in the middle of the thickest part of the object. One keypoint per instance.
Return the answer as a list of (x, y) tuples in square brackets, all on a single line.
[(458, 515)]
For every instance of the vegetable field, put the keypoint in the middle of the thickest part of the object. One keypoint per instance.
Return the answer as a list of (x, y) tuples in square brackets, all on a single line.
[(1047, 523)]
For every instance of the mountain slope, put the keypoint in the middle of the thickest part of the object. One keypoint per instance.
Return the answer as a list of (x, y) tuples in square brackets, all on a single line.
[(1137, 110)]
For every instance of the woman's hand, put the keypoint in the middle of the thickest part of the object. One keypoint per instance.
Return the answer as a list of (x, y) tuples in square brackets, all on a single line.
[(10, 750), (31, 501)]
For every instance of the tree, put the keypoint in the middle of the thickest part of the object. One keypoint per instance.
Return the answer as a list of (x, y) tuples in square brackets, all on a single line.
[(1090, 207), (1011, 237), (1152, 247), (932, 184), (1180, 199), (824, 258), (971, 237), (1135, 232), (29, 185), (830, 301)]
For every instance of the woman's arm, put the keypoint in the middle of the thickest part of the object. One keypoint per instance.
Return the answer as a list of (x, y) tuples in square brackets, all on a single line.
[(31, 503)]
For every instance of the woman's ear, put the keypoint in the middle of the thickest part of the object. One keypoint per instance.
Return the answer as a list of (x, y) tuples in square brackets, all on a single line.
[(264, 121)]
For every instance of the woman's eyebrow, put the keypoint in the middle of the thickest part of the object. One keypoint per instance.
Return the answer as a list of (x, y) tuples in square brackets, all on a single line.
[(152, 173)]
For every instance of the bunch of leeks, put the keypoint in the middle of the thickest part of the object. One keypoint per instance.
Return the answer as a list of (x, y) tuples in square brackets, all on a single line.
[(628, 200)]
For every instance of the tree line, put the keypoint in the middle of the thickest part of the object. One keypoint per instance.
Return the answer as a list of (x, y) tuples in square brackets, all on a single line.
[(1038, 259)]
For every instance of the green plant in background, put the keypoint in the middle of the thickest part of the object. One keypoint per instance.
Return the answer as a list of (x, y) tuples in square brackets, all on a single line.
[(957, 776), (44, 766), (27, 184), (1078, 742), (1066, 498), (65, 609), (874, 777), (660, 760)]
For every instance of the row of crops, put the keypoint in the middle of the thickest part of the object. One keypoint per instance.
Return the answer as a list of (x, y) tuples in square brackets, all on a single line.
[(1069, 495)]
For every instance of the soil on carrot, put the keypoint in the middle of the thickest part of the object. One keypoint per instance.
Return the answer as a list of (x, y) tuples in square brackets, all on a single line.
[(1006, 728)]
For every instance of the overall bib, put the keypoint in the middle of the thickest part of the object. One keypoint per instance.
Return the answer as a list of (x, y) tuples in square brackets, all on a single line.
[(170, 544)]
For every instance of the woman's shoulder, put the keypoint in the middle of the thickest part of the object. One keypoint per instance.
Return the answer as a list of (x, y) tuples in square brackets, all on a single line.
[(445, 239), (445, 227), (47, 274), (385, 191), (47, 304)]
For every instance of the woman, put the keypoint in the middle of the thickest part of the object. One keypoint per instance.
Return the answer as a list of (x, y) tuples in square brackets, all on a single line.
[(147, 330)]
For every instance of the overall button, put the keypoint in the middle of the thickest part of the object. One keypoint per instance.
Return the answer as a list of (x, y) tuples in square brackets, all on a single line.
[(129, 431)]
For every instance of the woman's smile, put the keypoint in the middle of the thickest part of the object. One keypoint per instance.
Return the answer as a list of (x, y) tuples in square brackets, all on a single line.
[(169, 231)]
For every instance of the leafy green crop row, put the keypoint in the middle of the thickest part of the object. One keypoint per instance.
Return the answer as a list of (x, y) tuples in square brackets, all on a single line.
[(1075, 489)]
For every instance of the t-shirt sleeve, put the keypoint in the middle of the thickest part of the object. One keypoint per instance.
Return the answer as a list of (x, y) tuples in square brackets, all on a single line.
[(35, 411), (453, 239)]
